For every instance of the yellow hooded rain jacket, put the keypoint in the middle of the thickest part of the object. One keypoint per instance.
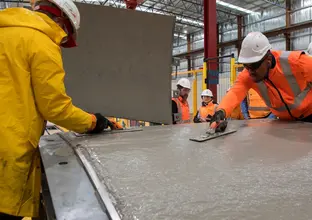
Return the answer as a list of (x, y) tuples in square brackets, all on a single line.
[(32, 89)]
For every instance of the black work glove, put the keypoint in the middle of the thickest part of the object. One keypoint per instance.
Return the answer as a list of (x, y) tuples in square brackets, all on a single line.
[(219, 119), (222, 126), (208, 118), (101, 124)]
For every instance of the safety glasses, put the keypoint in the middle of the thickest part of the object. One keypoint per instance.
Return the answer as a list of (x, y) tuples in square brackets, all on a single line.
[(255, 66)]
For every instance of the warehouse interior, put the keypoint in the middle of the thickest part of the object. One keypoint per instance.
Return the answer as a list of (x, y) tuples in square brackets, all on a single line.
[(285, 22), (130, 57)]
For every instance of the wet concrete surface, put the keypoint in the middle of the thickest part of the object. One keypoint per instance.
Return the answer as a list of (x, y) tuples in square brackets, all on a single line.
[(263, 171)]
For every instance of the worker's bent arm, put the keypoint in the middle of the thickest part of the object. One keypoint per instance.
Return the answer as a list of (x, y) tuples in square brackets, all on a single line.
[(47, 77), (236, 94), (305, 63)]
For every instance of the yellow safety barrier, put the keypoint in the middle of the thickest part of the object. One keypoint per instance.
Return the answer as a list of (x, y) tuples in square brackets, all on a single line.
[(204, 85), (234, 67)]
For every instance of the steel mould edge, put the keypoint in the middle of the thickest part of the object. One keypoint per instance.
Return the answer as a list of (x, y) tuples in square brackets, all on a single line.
[(100, 188)]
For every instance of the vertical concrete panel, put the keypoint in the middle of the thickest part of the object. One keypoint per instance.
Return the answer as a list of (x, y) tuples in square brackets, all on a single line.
[(122, 64)]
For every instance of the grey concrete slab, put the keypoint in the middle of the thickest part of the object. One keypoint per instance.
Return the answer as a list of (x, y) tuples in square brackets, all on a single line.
[(263, 171), (122, 65)]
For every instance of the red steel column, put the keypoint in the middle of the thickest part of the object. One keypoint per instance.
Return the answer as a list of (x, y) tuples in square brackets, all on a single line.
[(210, 44)]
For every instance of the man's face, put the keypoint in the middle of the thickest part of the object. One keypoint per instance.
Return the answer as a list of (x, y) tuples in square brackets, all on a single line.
[(184, 93), (259, 70)]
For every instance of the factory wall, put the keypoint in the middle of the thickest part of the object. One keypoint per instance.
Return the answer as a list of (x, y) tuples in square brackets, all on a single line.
[(303, 12)]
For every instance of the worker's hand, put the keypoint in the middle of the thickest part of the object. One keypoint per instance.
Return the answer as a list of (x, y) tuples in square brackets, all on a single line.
[(202, 119), (222, 126), (101, 124), (114, 125), (208, 119), (218, 122)]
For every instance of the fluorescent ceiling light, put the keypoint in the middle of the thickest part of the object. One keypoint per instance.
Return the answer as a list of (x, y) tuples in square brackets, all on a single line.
[(228, 5), (180, 36)]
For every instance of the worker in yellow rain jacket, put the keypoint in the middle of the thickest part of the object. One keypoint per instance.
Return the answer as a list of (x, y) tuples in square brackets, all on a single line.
[(32, 91), (208, 108)]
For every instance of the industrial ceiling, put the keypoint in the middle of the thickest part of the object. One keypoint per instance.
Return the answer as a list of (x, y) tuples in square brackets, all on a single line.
[(189, 13)]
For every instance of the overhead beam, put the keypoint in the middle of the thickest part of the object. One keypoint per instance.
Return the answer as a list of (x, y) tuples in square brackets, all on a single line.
[(276, 3), (271, 33)]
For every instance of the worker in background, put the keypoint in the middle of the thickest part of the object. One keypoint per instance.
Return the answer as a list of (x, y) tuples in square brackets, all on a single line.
[(309, 50), (253, 107), (283, 79), (32, 91), (180, 107), (208, 108), (237, 112)]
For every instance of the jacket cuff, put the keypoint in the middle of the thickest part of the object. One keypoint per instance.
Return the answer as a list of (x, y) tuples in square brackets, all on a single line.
[(93, 124)]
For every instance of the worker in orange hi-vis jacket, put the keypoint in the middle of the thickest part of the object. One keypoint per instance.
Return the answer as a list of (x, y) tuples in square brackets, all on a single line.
[(283, 79), (207, 109), (180, 106)]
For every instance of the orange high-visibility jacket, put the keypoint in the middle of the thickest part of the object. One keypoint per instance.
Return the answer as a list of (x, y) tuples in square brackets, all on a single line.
[(256, 106), (237, 113), (183, 115), (209, 109), (288, 82)]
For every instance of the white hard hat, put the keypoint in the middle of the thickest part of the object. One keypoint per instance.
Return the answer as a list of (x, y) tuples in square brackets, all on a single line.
[(207, 92), (70, 9), (185, 83), (254, 48), (66, 7), (310, 49)]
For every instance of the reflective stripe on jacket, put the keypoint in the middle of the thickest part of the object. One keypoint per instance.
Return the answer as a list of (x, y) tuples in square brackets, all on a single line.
[(206, 110), (183, 115), (289, 82), (292, 81), (256, 106), (32, 90)]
